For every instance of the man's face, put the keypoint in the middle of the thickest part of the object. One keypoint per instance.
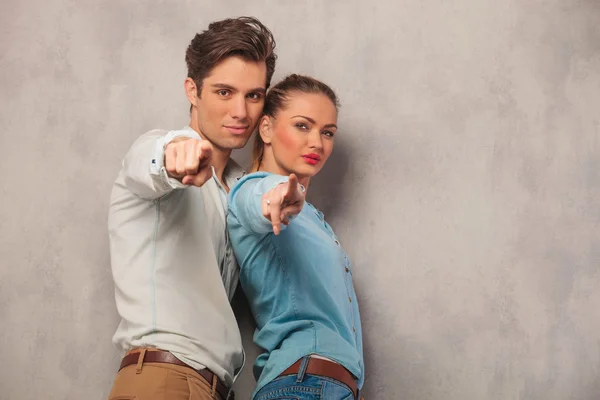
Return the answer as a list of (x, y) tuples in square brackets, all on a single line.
[(231, 102)]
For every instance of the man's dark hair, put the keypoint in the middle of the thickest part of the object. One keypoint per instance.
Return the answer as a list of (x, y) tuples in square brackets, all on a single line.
[(244, 37)]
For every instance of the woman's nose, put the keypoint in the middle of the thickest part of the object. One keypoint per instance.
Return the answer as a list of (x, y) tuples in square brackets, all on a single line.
[(315, 140)]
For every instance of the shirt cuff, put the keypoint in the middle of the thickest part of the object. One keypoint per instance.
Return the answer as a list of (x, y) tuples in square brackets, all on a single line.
[(158, 167)]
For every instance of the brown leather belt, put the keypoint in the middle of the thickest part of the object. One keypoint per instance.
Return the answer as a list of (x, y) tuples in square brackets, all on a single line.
[(160, 356), (329, 369)]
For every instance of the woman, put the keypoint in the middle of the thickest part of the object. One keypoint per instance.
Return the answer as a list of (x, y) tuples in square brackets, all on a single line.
[(296, 276)]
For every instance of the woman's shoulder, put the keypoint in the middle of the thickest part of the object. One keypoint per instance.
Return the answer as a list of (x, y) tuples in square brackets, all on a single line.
[(253, 175), (248, 177), (264, 180)]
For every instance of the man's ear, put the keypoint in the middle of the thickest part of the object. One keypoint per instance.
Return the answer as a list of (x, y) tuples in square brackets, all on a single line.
[(191, 91), (265, 128)]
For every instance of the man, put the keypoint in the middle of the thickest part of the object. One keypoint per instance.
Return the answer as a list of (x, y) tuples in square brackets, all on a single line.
[(172, 262)]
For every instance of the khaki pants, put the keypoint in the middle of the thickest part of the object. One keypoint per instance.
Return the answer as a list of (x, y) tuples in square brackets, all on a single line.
[(160, 381)]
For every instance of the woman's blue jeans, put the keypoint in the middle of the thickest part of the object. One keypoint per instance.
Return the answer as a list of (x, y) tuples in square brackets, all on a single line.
[(304, 387)]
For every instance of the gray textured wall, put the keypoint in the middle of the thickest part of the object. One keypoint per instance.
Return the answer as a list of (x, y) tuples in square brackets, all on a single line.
[(465, 182)]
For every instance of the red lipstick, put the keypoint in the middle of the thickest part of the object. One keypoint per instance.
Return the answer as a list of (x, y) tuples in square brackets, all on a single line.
[(312, 158)]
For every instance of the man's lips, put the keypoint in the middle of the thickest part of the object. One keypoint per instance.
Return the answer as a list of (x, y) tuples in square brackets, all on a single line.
[(237, 129)]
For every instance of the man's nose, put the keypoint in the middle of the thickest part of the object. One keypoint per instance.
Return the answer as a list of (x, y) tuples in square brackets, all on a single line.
[(239, 107)]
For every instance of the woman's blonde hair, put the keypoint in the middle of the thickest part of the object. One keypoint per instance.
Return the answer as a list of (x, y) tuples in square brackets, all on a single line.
[(277, 99)]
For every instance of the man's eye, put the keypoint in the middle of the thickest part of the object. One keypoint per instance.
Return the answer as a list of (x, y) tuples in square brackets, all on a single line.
[(254, 96), (223, 92)]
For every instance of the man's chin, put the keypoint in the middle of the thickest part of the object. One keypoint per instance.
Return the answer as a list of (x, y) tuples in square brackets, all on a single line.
[(231, 143), (238, 142)]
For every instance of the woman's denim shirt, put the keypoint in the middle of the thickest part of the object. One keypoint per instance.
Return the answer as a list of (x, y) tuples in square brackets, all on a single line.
[(298, 284)]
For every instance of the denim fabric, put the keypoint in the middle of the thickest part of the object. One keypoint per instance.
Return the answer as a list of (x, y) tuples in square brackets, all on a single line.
[(298, 284), (312, 387)]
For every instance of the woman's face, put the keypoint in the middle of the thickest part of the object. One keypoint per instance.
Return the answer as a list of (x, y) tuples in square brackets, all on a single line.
[(301, 135)]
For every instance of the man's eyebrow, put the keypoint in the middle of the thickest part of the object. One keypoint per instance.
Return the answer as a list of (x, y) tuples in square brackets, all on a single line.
[(229, 87), (222, 86), (312, 121)]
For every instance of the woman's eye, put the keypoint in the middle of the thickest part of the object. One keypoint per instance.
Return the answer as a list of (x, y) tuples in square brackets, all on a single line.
[(328, 133), (301, 126)]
